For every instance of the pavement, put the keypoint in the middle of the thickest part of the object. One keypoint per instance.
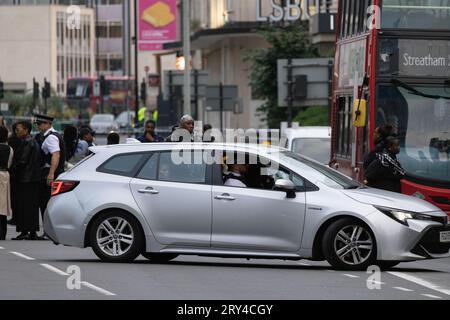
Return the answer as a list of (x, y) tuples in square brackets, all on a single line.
[(36, 270)]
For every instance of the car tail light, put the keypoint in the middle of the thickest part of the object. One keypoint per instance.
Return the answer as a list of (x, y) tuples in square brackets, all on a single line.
[(60, 187)]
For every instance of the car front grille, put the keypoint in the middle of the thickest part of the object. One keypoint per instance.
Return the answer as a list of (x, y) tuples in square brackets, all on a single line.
[(431, 243)]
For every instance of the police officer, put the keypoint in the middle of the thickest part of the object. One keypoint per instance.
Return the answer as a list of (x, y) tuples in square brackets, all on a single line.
[(54, 155)]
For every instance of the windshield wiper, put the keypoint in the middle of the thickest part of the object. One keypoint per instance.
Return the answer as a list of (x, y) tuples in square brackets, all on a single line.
[(416, 92)]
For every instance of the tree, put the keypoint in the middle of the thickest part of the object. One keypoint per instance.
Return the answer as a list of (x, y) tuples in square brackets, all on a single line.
[(288, 42)]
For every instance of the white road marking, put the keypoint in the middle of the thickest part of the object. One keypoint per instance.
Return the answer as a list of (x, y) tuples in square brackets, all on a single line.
[(98, 289), (403, 289), (21, 255), (421, 282), (376, 282), (1, 248), (350, 275), (304, 264), (431, 296), (56, 270), (85, 283)]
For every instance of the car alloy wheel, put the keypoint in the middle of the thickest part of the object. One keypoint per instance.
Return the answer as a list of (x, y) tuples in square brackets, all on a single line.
[(353, 245), (115, 236), (349, 244)]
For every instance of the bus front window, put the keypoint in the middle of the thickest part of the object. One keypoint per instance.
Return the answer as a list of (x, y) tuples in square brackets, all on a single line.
[(420, 116), (415, 14)]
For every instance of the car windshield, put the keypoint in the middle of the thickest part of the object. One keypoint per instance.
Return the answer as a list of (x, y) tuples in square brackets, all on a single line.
[(420, 116), (415, 14), (321, 173), (103, 118), (318, 149)]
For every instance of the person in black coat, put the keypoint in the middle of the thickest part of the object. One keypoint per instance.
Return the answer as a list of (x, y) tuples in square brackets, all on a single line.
[(385, 172), (26, 170), (14, 142), (380, 135)]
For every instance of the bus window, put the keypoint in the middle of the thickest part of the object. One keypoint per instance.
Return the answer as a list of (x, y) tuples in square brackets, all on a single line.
[(415, 14), (420, 118)]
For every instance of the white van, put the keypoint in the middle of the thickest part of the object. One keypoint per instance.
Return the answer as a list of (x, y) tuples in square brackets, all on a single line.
[(313, 142)]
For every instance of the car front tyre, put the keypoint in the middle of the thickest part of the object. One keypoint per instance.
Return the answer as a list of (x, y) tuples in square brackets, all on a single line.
[(349, 244), (116, 237)]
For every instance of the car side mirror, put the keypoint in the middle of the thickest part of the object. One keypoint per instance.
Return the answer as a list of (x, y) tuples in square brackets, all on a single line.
[(286, 186)]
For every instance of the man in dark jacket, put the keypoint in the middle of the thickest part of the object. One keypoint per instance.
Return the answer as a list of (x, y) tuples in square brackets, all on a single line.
[(380, 135), (26, 170), (385, 172), (150, 135)]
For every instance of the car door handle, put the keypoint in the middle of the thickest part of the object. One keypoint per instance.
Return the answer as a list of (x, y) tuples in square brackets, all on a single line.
[(148, 190), (225, 196)]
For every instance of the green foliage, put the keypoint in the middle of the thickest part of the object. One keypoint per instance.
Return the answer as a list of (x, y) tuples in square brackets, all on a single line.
[(22, 105), (291, 42), (313, 116)]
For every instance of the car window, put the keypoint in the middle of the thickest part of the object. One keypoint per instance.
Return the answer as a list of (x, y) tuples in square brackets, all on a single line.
[(149, 170), (261, 173), (185, 172), (124, 165)]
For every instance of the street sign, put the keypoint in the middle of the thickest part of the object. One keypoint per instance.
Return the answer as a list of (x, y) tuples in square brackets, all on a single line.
[(310, 82), (230, 97), (176, 79), (4, 107)]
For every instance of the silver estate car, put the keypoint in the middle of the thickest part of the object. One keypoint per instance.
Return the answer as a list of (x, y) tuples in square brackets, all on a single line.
[(165, 200)]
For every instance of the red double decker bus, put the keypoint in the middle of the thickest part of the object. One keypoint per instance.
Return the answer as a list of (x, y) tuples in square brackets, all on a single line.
[(394, 55), (82, 96)]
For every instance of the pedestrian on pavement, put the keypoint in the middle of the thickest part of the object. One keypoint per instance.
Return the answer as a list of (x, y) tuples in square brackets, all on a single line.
[(26, 170), (386, 172), (14, 142), (54, 157), (6, 158), (112, 138), (380, 135), (184, 132), (76, 149), (150, 135), (87, 134)]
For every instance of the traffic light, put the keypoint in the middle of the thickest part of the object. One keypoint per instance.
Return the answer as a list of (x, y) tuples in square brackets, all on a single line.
[(2, 90), (103, 87), (46, 91), (144, 92), (35, 89)]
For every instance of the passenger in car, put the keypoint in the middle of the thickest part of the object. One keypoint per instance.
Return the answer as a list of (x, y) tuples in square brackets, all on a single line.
[(236, 176)]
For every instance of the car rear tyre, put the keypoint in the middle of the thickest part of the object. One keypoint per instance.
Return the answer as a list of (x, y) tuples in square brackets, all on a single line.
[(349, 244), (159, 257), (116, 237)]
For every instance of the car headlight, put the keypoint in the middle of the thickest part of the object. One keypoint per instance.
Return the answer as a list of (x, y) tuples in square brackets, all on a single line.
[(403, 216)]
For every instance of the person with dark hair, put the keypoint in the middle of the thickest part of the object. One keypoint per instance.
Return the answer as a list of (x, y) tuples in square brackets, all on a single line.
[(14, 142), (380, 135), (150, 135), (26, 170), (76, 149), (6, 157), (113, 138), (385, 172)]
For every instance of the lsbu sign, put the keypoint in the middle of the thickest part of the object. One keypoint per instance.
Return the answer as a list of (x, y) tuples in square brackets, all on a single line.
[(291, 11)]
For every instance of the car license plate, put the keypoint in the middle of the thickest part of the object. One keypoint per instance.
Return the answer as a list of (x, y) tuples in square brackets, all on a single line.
[(445, 236)]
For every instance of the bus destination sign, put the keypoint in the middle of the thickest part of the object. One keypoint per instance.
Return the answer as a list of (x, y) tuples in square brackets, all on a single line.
[(415, 58)]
